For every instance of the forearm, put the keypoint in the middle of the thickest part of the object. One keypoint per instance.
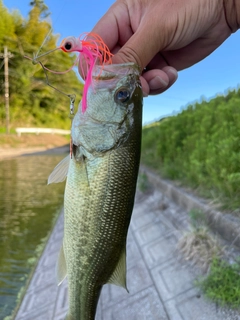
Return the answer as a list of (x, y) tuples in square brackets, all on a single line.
[(232, 13)]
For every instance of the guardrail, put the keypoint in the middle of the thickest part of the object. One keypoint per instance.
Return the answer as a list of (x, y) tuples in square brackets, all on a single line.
[(41, 130)]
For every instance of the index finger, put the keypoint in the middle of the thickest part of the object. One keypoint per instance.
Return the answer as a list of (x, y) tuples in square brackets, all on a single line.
[(114, 27)]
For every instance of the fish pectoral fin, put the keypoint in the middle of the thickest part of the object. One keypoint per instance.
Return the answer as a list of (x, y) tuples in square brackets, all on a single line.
[(61, 269), (60, 172), (119, 275)]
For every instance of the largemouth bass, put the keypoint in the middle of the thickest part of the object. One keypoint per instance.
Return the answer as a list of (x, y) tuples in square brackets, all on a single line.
[(100, 187)]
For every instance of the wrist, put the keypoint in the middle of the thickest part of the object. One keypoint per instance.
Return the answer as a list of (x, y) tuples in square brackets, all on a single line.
[(232, 14)]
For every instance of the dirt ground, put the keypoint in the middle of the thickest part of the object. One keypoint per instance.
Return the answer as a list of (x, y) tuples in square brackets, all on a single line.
[(12, 145)]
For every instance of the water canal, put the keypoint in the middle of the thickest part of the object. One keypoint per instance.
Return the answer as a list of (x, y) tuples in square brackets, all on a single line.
[(28, 211)]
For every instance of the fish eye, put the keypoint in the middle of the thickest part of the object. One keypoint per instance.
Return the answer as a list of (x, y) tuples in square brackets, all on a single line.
[(122, 95), (68, 45)]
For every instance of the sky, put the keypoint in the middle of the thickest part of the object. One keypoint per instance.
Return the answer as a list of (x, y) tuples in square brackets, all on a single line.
[(214, 75)]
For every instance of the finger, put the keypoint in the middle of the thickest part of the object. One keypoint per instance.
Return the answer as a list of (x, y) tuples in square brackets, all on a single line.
[(114, 27), (157, 81), (145, 87), (117, 29), (141, 56), (192, 53)]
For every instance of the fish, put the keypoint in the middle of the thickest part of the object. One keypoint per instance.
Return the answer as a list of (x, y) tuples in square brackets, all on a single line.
[(100, 187)]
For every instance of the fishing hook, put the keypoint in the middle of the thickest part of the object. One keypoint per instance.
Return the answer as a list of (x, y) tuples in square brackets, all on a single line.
[(36, 57), (72, 98)]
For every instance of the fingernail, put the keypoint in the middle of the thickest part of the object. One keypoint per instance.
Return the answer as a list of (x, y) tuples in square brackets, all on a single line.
[(157, 83), (145, 94), (173, 71)]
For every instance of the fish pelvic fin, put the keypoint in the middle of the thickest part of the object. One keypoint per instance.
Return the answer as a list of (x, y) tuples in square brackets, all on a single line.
[(61, 269), (119, 274), (60, 172)]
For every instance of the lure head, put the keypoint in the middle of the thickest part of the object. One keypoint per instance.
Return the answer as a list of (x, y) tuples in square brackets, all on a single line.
[(71, 44)]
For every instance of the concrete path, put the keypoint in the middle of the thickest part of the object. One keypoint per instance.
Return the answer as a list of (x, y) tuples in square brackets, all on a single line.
[(160, 282)]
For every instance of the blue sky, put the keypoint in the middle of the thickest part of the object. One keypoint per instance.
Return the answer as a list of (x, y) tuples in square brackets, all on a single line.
[(214, 75)]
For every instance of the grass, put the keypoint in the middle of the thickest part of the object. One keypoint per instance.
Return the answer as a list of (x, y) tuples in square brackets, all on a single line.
[(142, 182), (222, 284), (200, 247)]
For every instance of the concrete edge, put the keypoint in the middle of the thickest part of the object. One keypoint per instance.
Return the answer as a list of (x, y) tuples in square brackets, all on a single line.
[(226, 225)]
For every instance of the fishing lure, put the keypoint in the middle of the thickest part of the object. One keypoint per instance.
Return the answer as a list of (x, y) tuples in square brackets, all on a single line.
[(92, 50)]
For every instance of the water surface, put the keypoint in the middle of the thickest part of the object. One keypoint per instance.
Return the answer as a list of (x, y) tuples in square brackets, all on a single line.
[(28, 210)]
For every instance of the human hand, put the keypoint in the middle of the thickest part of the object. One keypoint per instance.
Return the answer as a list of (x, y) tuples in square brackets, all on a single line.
[(164, 36)]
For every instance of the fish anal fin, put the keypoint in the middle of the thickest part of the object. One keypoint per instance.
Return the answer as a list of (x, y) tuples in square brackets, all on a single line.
[(61, 269), (119, 275), (60, 172)]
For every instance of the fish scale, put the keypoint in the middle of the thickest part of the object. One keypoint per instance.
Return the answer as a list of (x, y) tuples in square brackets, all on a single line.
[(109, 226)]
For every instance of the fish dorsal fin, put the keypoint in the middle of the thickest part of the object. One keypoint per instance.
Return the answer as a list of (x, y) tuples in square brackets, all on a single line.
[(60, 172), (119, 275), (61, 269)]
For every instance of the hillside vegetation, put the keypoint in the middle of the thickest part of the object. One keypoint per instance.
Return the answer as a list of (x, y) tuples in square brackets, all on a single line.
[(200, 147), (32, 101)]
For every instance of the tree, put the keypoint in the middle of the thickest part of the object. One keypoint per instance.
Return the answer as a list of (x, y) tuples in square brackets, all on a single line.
[(32, 101)]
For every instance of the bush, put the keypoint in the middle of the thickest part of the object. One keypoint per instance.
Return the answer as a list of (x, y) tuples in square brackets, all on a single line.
[(200, 147)]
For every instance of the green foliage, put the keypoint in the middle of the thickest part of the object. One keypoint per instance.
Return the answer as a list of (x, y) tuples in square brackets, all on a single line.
[(222, 284), (142, 182), (197, 219), (32, 101), (200, 147)]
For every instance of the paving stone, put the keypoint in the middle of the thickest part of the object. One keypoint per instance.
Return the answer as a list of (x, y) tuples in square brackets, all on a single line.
[(191, 305), (152, 231), (112, 294), (40, 298), (133, 253), (145, 305), (160, 285), (139, 221), (54, 246), (60, 317), (49, 260), (160, 250), (43, 279), (61, 303), (138, 279), (45, 313), (99, 314), (176, 216), (172, 279)]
